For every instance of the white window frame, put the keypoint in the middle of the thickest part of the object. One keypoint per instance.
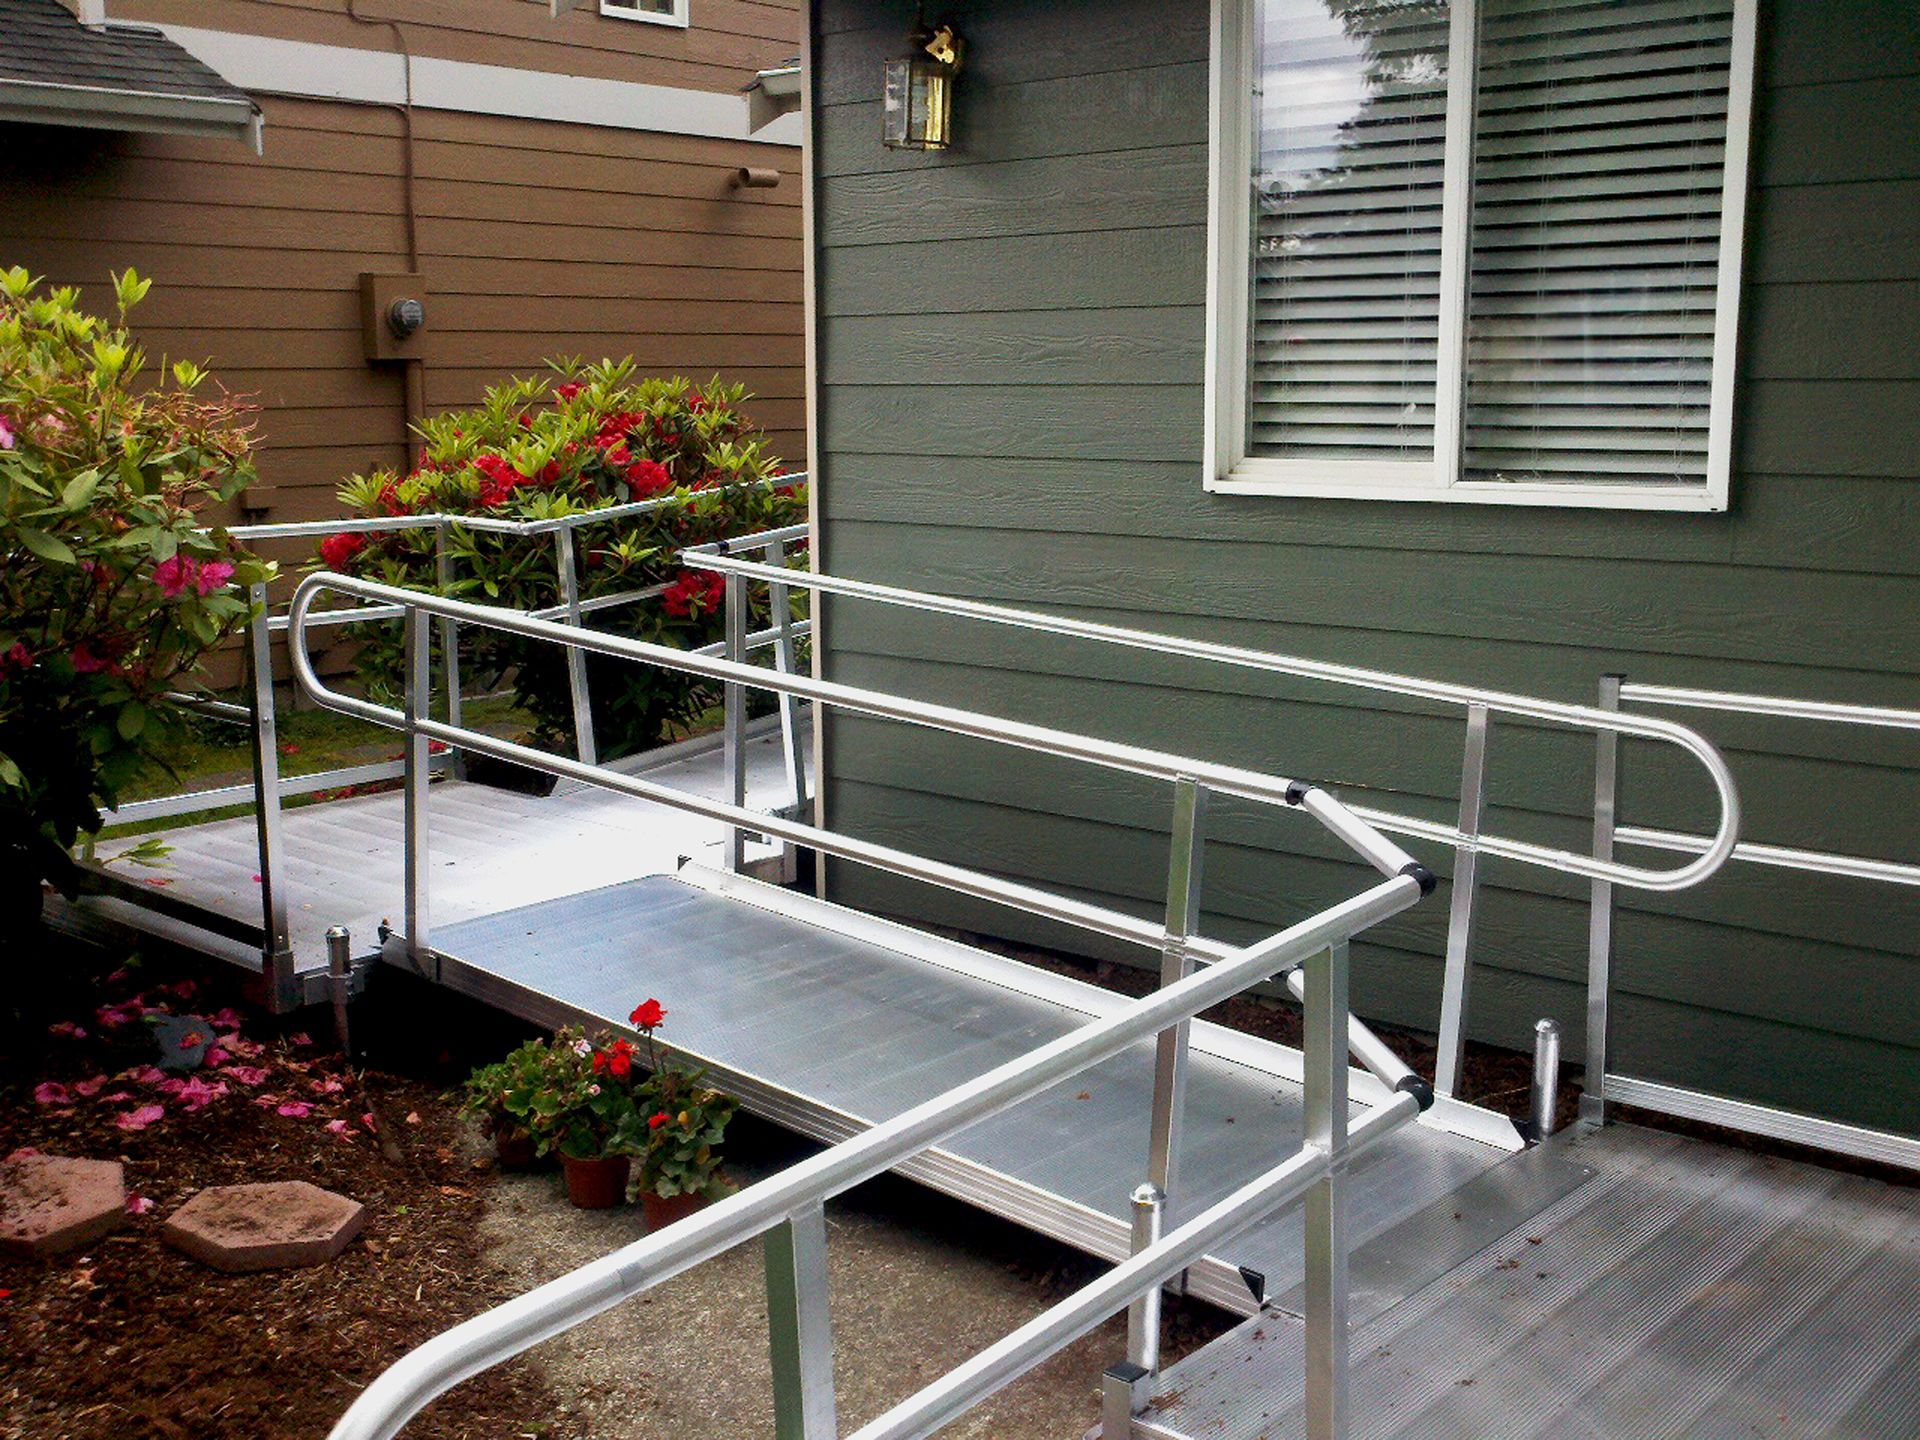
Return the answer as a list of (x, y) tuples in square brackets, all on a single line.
[(678, 16), (1230, 470)]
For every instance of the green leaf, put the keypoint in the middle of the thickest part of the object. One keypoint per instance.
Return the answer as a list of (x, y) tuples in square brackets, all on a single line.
[(131, 720), (80, 490), (46, 546)]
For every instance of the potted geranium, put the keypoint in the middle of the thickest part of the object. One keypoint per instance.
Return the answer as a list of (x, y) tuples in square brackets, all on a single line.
[(501, 1097), (585, 1111), (685, 1121)]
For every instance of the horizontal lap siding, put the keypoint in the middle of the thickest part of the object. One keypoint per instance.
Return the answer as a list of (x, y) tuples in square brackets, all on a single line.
[(537, 239), (1010, 408)]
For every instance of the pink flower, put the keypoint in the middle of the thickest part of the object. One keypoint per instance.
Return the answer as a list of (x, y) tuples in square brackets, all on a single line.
[(52, 1092), (66, 1030), (6, 434), (214, 575), (174, 575), (138, 1204), (16, 660), (197, 1094), (295, 1110), (248, 1075), (141, 1118)]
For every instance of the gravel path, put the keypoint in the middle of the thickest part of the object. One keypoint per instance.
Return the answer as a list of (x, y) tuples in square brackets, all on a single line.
[(916, 1283)]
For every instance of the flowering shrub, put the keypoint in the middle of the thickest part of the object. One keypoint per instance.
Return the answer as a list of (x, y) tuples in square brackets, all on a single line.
[(583, 438), (110, 593), (685, 1121)]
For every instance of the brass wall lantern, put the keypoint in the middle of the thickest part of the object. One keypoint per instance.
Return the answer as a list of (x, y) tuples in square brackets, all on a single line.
[(918, 94)]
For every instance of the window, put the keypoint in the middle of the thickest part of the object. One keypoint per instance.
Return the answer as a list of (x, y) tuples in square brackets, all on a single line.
[(660, 12), (1480, 251)]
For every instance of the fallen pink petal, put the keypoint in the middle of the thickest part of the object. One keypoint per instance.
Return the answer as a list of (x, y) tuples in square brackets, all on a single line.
[(227, 1019), (52, 1092), (368, 1121), (148, 1075), (327, 1086), (87, 1089), (248, 1075), (141, 1118), (138, 1204), (295, 1110), (299, 1037), (66, 1030), (215, 1056)]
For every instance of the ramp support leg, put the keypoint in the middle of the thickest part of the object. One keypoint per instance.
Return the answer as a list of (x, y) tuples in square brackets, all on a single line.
[(1186, 848), (1466, 895), (800, 1330), (1325, 1095)]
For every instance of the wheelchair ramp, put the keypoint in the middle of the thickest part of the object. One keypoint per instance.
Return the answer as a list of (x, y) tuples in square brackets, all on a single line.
[(1688, 1292), (826, 1020)]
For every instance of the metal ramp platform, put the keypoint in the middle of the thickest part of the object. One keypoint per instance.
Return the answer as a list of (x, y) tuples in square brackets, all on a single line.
[(1687, 1292), (827, 1020), (493, 849)]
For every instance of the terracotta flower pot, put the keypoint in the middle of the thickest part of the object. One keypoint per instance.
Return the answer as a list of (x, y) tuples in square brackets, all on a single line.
[(596, 1184), (663, 1210), (514, 1149)]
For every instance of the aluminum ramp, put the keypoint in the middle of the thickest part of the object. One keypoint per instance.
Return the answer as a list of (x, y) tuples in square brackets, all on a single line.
[(827, 1020), (1687, 1292)]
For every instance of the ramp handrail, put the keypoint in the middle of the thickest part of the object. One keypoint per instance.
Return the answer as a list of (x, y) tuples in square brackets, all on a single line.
[(1467, 838), (787, 1209), (1604, 1086), (1586, 717)]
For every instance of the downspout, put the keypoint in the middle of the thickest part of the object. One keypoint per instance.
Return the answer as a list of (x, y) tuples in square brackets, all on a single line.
[(413, 370)]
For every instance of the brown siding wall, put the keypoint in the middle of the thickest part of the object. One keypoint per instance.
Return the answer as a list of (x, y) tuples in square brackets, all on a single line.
[(536, 238)]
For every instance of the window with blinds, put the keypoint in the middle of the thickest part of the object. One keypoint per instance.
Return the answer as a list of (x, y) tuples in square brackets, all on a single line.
[(1351, 140), (1478, 250)]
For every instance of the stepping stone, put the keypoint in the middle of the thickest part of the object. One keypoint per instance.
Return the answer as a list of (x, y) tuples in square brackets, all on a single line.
[(238, 1228), (49, 1203)]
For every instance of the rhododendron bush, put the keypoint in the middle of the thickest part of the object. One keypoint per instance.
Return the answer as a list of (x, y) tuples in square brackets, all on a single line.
[(110, 592), (583, 437)]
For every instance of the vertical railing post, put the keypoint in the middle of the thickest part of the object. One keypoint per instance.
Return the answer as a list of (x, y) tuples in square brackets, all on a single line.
[(418, 772), (799, 1328), (1325, 1099), (1465, 900), (1544, 1098), (449, 639), (781, 605), (1606, 801), (1186, 849), (583, 740), (733, 701), (276, 950)]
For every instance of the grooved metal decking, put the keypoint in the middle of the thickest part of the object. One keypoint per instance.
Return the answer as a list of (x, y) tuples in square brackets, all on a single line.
[(827, 1021), (1687, 1292), (491, 849)]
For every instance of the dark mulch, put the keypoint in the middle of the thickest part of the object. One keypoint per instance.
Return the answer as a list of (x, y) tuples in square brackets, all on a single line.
[(129, 1338)]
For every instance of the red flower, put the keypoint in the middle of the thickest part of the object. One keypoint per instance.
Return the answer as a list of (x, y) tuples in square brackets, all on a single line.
[(654, 1122), (85, 662), (647, 478), (17, 660), (599, 1062), (693, 590), (502, 480), (621, 1065), (337, 550), (647, 1014), (566, 392), (173, 575)]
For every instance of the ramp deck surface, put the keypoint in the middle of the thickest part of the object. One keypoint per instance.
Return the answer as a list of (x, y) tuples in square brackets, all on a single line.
[(1688, 1291), (828, 1021), (491, 849)]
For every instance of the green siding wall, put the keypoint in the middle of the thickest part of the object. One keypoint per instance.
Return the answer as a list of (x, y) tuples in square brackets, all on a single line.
[(1010, 408)]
